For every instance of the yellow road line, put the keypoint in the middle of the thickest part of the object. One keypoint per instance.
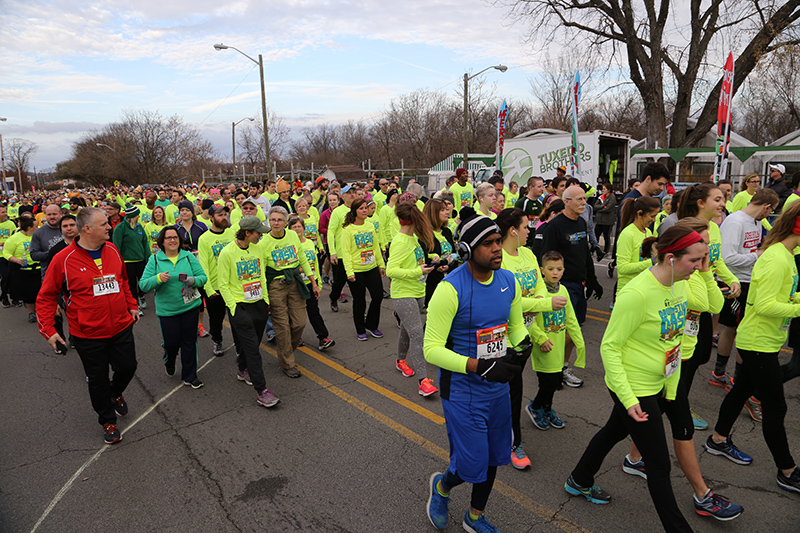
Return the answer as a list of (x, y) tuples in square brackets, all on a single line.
[(599, 311), (596, 317)]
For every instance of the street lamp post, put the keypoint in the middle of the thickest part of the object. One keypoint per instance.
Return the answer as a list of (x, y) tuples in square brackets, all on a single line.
[(2, 155), (260, 64), (106, 146), (233, 139), (467, 77)]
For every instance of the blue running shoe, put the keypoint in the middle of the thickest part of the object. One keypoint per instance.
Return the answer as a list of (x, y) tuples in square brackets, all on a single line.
[(727, 449), (437, 504), (537, 417), (717, 505), (553, 420), (699, 423), (594, 493), (481, 525), (634, 468)]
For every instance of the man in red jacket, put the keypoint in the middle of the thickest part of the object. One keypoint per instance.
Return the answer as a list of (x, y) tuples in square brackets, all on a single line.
[(101, 313)]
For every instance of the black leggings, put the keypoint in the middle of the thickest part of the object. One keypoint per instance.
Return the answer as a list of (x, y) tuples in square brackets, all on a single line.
[(605, 231), (549, 383), (515, 387), (339, 279), (134, 270), (702, 352), (650, 439), (791, 369), (480, 491), (367, 281), (760, 377)]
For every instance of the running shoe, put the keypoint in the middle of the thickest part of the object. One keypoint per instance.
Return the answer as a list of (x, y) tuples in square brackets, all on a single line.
[(141, 313), (195, 383), (791, 483), (326, 343), (570, 379), (170, 369), (7, 304), (293, 372), (402, 366), (31, 318), (334, 306), (519, 459), (111, 434), (142, 303), (269, 337), (699, 423), (218, 349), (244, 375), (553, 420), (267, 398), (426, 387), (201, 331), (375, 333), (727, 449), (361, 336), (538, 417), (724, 381), (343, 298), (326, 281), (717, 505), (16, 303), (715, 340), (634, 468), (437, 504), (386, 295), (120, 405), (594, 493), (479, 525), (301, 344), (754, 406)]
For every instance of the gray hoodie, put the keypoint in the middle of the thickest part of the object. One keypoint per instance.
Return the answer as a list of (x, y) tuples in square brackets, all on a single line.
[(42, 240)]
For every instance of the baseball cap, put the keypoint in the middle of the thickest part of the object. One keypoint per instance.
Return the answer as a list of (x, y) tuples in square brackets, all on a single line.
[(347, 188), (251, 223), (214, 209), (780, 168), (249, 201)]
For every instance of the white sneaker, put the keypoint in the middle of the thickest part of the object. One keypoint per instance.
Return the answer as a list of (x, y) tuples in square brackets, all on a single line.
[(570, 379)]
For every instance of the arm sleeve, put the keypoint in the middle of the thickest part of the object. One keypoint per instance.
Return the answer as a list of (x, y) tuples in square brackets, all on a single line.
[(516, 324), (223, 280), (441, 311), (732, 235), (205, 256), (625, 319), (768, 281), (628, 263), (346, 245), (46, 300), (397, 256), (376, 248), (724, 272), (37, 252), (149, 279), (574, 330), (199, 274), (304, 264), (713, 294), (334, 233)]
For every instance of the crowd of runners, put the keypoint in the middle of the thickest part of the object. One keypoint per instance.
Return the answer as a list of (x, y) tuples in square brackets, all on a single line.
[(483, 278)]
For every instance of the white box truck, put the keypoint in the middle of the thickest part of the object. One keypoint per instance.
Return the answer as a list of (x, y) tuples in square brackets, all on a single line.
[(605, 156)]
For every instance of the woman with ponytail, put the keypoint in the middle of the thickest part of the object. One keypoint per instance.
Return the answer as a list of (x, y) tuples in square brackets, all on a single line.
[(703, 296), (364, 267), (636, 216), (771, 304), (438, 211), (408, 269), (705, 201), (641, 357)]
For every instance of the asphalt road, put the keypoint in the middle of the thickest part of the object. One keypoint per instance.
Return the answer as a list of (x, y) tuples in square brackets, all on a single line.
[(349, 449)]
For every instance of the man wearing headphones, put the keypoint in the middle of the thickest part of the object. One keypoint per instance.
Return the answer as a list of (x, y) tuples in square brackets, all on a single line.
[(474, 319)]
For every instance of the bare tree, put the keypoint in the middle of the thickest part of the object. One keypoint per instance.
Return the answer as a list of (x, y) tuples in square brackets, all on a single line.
[(250, 142), (20, 153), (642, 40)]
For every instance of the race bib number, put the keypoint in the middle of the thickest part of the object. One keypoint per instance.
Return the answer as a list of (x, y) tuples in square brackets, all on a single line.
[(692, 327), (252, 291), (491, 342), (673, 361), (367, 257), (528, 319), (105, 285), (195, 295)]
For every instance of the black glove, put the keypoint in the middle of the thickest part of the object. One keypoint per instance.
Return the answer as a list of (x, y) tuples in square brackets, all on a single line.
[(593, 287), (519, 354), (497, 371)]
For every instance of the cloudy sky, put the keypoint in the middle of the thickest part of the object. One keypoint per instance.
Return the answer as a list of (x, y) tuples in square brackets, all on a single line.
[(70, 66)]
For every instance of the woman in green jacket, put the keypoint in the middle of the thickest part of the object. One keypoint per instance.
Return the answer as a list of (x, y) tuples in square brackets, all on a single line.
[(175, 274)]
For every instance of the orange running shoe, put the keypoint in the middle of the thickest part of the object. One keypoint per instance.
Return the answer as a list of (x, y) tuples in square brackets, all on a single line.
[(403, 367), (426, 387), (519, 459), (201, 331)]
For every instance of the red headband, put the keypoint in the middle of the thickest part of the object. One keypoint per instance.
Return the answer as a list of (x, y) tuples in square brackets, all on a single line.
[(796, 228), (682, 243)]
